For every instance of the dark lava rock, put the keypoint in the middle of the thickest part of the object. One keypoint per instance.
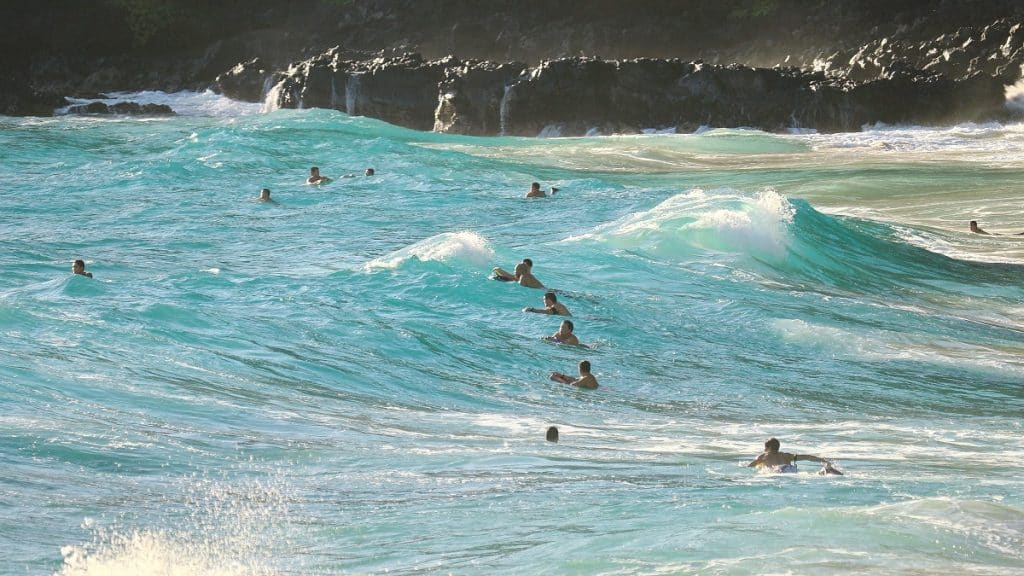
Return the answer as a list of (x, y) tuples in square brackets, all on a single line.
[(247, 81), (127, 108)]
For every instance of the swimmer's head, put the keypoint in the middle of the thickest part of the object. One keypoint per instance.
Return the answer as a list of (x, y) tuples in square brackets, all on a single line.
[(528, 262), (369, 172), (535, 187), (772, 445), (78, 266), (974, 225), (584, 366), (550, 298), (314, 171), (567, 326), (552, 435), (265, 194)]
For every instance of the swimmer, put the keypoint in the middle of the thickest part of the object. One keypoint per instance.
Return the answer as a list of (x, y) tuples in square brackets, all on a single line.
[(264, 196), (551, 306), (78, 267), (523, 275), (315, 177), (552, 434), (536, 192), (976, 230), (586, 379), (773, 460), (369, 172), (564, 335)]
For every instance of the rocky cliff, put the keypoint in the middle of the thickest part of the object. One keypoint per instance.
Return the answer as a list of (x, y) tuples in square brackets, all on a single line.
[(520, 67)]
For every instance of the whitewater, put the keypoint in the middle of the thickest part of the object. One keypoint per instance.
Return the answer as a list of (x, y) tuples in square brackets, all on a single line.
[(330, 383)]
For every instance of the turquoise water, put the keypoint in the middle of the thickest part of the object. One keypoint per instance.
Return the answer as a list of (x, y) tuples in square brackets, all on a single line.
[(331, 384)]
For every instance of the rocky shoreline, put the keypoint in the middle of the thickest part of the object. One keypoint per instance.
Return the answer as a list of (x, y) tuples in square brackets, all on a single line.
[(578, 96), (906, 77)]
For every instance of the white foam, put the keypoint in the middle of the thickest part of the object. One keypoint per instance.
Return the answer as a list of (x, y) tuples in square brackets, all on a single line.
[(551, 131), (272, 99), (720, 220), (1015, 96), (989, 142), (206, 104), (464, 246)]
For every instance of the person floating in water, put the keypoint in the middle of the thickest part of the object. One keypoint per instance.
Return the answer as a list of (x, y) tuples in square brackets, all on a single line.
[(264, 196), (552, 434), (551, 306), (315, 177), (78, 267), (523, 275), (564, 335), (772, 460), (536, 192), (976, 230), (586, 379)]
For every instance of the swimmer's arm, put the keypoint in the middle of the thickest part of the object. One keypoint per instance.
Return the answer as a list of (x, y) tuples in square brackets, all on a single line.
[(539, 310), (810, 458), (559, 377), (756, 461)]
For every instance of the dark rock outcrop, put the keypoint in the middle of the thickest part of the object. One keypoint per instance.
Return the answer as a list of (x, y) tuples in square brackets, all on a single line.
[(996, 49), (472, 95), (247, 81), (576, 96), (125, 108)]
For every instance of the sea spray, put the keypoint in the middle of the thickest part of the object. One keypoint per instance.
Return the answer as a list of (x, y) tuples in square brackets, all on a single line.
[(468, 247)]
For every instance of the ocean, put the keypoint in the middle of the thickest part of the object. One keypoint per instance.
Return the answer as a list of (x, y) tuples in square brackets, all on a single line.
[(331, 384)]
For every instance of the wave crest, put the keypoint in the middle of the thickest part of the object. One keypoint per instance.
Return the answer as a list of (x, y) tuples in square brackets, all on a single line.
[(446, 247), (718, 221)]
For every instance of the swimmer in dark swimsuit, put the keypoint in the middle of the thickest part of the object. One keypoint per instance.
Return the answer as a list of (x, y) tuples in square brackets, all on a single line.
[(773, 460)]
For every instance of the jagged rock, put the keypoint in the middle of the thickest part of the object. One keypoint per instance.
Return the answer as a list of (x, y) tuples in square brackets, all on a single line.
[(246, 81), (958, 55), (128, 108)]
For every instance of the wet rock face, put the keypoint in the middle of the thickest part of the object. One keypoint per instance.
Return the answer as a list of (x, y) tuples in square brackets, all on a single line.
[(576, 96), (471, 98)]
